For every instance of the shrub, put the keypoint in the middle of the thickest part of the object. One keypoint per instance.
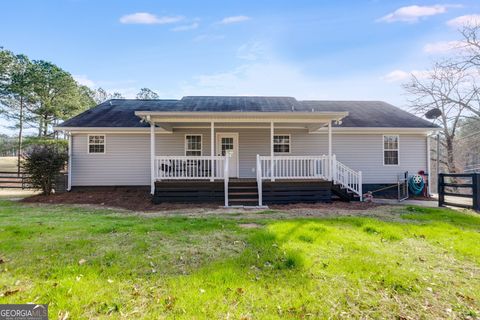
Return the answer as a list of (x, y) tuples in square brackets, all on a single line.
[(31, 142), (43, 164)]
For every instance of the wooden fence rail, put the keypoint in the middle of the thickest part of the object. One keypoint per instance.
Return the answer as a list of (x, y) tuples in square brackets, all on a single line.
[(13, 180), (455, 185)]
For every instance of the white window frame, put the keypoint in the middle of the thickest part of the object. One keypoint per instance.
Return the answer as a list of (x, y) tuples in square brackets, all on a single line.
[(104, 143), (398, 149), (186, 143), (289, 142)]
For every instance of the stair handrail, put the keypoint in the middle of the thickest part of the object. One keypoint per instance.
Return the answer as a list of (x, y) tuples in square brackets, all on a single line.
[(347, 177)]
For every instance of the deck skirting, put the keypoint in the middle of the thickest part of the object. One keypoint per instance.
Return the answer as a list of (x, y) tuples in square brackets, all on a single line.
[(274, 192)]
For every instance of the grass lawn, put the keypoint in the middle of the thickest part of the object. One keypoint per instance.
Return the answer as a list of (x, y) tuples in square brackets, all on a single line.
[(105, 264), (8, 164)]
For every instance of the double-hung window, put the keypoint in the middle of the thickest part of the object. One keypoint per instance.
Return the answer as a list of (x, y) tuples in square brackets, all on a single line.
[(281, 143), (96, 143), (390, 150), (193, 145)]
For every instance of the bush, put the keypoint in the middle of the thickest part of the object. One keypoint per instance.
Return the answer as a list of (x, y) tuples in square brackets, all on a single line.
[(32, 142), (43, 164)]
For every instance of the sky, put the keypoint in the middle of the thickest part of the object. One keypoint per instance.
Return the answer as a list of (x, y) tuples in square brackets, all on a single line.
[(308, 49)]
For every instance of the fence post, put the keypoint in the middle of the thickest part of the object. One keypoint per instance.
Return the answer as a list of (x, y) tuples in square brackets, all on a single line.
[(441, 190), (476, 191)]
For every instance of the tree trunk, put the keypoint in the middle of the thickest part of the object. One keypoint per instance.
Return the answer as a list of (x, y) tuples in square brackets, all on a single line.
[(20, 138), (40, 126), (450, 155), (45, 126)]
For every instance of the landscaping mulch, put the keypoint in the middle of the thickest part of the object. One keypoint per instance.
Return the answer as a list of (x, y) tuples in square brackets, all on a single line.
[(140, 200)]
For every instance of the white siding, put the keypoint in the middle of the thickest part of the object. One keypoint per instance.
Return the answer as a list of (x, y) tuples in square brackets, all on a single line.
[(127, 157), (126, 161), (365, 152)]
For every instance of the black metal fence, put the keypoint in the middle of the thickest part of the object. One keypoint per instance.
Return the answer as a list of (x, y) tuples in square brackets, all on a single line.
[(462, 190)]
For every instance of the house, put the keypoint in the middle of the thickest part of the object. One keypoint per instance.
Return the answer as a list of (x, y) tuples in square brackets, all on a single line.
[(245, 150)]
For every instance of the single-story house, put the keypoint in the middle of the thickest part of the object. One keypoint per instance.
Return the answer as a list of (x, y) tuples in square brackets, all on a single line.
[(245, 150)]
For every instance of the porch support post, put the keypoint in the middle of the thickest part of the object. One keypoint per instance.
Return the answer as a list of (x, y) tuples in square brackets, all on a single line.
[(69, 182), (212, 150), (272, 175), (152, 157), (428, 166), (330, 150)]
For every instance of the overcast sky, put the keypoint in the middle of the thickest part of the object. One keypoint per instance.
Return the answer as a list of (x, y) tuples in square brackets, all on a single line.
[(337, 50)]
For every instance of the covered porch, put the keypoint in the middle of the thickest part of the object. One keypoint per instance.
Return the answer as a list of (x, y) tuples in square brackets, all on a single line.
[(232, 152)]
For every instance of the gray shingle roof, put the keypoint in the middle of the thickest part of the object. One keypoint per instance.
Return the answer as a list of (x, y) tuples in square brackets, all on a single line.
[(121, 112)]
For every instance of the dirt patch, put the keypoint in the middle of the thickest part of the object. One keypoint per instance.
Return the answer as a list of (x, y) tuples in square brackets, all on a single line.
[(140, 200), (335, 205), (130, 199), (250, 225)]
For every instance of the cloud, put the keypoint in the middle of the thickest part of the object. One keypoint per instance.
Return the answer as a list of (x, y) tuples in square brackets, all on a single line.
[(83, 80), (234, 19), (442, 46), (269, 78), (251, 51), (186, 27), (466, 20), (208, 37), (414, 13), (148, 18), (401, 75)]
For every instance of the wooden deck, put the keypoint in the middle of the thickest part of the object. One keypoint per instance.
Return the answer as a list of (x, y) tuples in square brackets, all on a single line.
[(243, 191)]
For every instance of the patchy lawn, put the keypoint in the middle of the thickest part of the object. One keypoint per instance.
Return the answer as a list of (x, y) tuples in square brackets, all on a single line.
[(107, 264), (8, 164)]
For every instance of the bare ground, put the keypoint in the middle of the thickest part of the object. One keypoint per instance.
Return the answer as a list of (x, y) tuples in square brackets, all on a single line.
[(138, 202)]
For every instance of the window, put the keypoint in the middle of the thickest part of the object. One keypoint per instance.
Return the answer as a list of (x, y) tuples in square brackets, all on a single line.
[(390, 150), (193, 145), (281, 144), (96, 144)]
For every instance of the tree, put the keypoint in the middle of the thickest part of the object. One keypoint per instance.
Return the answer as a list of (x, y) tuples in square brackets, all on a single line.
[(428, 91), (6, 62), (467, 62), (146, 94), (58, 95), (101, 95), (451, 86), (43, 164), (16, 94)]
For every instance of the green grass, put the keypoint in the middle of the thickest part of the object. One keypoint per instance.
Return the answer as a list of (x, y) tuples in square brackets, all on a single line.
[(425, 264), (8, 164)]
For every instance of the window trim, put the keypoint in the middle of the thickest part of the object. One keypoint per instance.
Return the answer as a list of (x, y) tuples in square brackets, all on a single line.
[(104, 142), (398, 149), (289, 143), (186, 144)]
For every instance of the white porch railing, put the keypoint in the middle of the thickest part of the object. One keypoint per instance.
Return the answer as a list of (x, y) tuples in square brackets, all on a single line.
[(308, 167), (190, 167), (293, 167), (347, 177)]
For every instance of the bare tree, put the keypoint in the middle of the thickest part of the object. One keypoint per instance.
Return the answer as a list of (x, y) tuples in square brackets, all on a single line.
[(467, 62), (147, 94), (429, 90)]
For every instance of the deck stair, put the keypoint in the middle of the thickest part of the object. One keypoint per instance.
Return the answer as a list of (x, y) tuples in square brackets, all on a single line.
[(242, 193), (343, 193)]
